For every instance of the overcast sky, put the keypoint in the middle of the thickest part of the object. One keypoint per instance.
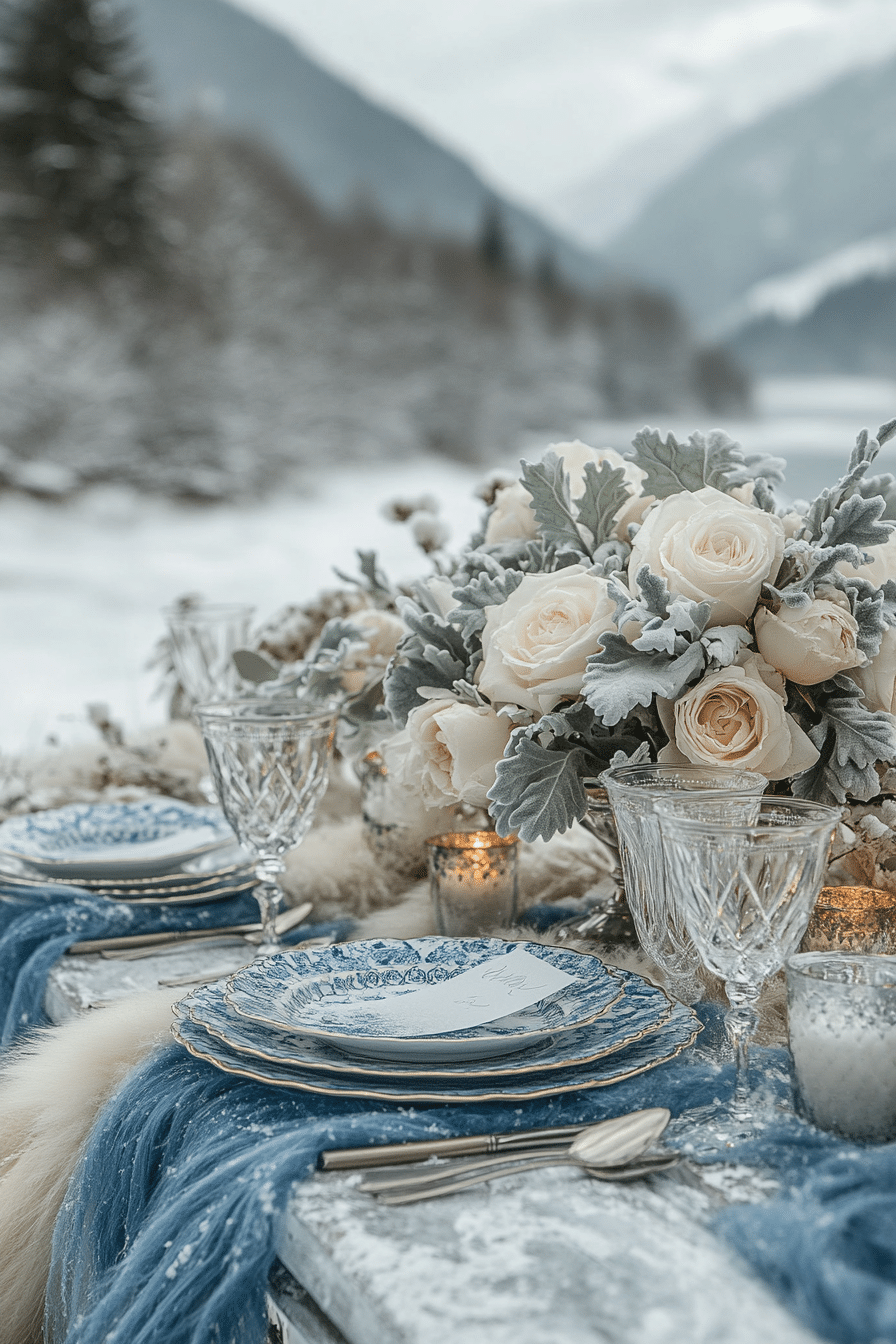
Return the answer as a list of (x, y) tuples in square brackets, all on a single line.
[(540, 93)]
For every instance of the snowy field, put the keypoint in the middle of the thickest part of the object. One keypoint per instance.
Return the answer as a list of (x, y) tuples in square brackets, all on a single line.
[(81, 584)]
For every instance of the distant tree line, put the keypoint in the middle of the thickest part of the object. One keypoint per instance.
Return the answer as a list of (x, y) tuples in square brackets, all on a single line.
[(187, 318), (79, 151)]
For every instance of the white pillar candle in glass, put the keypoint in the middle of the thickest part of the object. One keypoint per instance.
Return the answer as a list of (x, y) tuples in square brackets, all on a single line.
[(842, 1014), (472, 878)]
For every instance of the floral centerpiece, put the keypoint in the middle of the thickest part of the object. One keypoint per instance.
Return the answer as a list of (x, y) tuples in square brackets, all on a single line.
[(665, 605)]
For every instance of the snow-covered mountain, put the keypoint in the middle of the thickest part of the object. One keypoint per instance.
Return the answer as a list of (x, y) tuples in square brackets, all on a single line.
[(205, 56), (797, 186), (836, 315)]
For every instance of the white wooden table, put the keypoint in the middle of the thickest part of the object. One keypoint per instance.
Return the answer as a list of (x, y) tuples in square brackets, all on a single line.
[(547, 1257)]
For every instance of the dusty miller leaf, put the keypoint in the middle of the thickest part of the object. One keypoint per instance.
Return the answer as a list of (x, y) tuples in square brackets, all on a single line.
[(548, 484), (855, 522), (706, 459), (537, 792), (851, 739), (620, 677), (486, 590), (824, 505), (723, 644), (606, 492), (432, 655)]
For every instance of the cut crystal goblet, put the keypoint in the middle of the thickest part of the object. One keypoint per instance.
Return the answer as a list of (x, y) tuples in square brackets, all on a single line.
[(269, 761), (634, 792), (746, 890)]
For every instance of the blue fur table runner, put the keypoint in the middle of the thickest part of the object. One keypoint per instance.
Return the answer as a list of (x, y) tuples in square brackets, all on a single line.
[(169, 1226)]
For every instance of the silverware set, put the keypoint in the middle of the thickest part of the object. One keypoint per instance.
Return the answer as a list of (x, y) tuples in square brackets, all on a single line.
[(612, 1150)]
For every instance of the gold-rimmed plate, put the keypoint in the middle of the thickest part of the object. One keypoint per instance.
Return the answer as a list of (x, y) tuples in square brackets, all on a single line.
[(642, 1009), (669, 1040)]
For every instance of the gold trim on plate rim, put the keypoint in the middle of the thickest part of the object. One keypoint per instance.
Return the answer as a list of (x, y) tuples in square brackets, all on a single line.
[(435, 1098)]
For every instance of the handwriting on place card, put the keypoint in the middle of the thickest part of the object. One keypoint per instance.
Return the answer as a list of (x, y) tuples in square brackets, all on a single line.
[(493, 989)]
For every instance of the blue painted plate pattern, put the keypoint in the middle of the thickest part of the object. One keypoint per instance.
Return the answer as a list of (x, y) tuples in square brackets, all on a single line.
[(669, 1040), (642, 1009), (151, 835), (292, 991)]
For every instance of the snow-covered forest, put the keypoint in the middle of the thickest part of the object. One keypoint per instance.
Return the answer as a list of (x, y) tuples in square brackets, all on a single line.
[(229, 335)]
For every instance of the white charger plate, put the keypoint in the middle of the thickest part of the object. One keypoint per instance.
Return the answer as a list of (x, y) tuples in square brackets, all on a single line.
[(114, 840), (294, 990)]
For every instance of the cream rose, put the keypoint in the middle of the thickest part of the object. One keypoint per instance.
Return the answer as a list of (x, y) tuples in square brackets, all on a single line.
[(452, 750), (709, 547), (536, 644), (511, 517), (882, 566), (381, 630), (736, 717), (878, 678), (811, 644)]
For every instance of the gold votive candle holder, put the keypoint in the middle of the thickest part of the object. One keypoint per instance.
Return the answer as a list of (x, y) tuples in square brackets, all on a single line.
[(472, 879), (852, 919)]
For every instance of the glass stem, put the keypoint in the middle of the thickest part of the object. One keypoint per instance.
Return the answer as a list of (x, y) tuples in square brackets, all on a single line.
[(741, 1022), (269, 895)]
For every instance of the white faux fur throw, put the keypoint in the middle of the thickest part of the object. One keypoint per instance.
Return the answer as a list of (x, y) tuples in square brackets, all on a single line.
[(51, 1092)]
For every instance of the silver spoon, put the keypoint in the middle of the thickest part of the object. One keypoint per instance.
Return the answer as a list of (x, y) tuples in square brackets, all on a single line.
[(645, 1166), (611, 1143)]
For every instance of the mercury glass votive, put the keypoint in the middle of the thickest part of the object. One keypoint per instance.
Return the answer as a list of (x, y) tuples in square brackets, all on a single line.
[(852, 919), (472, 878), (842, 1022)]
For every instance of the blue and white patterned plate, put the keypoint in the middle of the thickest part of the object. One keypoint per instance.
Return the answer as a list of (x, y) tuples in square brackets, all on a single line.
[(114, 840), (293, 991), (673, 1036), (642, 1009)]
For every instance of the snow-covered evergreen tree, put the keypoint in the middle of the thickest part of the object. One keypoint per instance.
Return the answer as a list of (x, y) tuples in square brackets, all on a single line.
[(78, 151)]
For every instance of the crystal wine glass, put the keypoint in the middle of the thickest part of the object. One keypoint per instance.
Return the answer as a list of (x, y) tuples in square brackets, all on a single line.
[(204, 636), (746, 891), (634, 791), (269, 761)]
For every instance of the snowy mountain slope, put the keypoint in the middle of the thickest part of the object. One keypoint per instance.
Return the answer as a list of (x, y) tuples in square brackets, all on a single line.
[(207, 56), (796, 186)]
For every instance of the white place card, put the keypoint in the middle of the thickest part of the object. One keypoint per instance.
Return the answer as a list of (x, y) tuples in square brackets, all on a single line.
[(493, 989)]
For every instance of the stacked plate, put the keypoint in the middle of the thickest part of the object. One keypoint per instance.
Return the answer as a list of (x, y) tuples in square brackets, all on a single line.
[(308, 1020), (157, 849)]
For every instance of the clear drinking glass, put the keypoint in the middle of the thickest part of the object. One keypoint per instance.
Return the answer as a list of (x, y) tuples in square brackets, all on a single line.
[(634, 791), (204, 637), (746, 892), (269, 761)]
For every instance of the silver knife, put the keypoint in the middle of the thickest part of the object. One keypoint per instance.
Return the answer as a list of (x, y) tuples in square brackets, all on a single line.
[(418, 1150)]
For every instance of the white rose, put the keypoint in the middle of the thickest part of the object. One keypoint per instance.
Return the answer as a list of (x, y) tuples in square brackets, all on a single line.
[(736, 717), (511, 517), (709, 547), (878, 678), (882, 566), (536, 644), (442, 592), (381, 630), (452, 750), (811, 644)]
